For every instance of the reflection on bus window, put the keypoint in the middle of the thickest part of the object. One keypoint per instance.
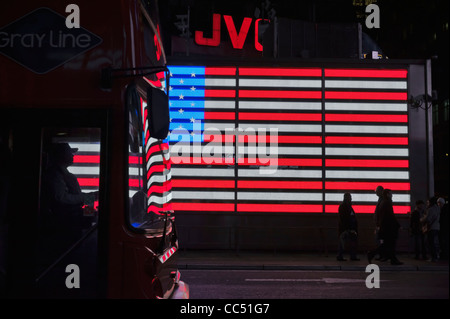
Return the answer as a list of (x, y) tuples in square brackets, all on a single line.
[(148, 171)]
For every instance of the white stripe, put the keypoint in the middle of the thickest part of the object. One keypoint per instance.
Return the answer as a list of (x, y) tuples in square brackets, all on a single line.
[(277, 105), (392, 107), (159, 200), (356, 151), (280, 83), (203, 195), (366, 84), (157, 158), (86, 147), (159, 178), (283, 127), (369, 198), (288, 173), (268, 149), (366, 129), (353, 174), (280, 196), (220, 172), (84, 170), (220, 104), (218, 82)]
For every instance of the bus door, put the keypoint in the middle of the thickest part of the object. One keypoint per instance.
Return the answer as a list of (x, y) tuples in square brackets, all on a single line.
[(52, 203)]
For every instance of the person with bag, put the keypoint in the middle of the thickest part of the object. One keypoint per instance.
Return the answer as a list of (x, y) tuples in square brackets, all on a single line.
[(431, 227)]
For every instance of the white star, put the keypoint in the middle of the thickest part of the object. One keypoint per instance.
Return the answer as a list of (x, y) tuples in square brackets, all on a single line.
[(181, 81), (170, 88), (192, 75), (181, 97), (170, 120), (170, 103), (192, 133), (193, 88), (192, 119), (181, 111), (181, 127)]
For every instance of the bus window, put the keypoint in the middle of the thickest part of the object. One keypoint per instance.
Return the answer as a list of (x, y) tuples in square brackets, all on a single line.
[(142, 178), (69, 192)]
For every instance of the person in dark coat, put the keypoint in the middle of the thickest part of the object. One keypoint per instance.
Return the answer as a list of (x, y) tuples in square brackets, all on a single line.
[(348, 228), (62, 200), (389, 227), (416, 230)]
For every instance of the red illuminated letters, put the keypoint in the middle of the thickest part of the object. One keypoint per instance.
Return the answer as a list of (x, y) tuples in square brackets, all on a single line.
[(215, 40), (237, 38)]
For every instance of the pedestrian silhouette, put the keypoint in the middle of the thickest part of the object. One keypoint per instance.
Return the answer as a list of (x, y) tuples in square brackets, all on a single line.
[(416, 230), (348, 229), (431, 220), (388, 232)]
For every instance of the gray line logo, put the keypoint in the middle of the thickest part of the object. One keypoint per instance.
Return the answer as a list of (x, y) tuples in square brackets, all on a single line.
[(40, 41)]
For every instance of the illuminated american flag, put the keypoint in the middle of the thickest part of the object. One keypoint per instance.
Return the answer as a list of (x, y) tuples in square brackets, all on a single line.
[(335, 131)]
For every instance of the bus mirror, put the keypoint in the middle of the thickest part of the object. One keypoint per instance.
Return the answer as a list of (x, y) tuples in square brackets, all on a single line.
[(158, 113)]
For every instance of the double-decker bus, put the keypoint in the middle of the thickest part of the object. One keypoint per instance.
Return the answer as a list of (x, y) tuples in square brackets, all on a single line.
[(85, 173)]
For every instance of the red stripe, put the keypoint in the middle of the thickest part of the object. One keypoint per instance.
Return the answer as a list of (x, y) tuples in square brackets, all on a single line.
[(133, 182), (279, 72), (366, 163), (95, 159), (366, 186), (366, 73), (220, 71), (88, 181), (279, 208), (366, 95), (279, 184), (201, 183), (158, 148), (280, 139), (366, 209), (366, 140), (366, 118), (220, 115), (160, 189), (157, 169), (212, 207), (220, 93), (158, 210), (280, 94), (280, 116), (135, 160), (281, 161)]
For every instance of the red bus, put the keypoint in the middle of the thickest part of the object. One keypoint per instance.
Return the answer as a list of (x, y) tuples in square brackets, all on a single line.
[(85, 173)]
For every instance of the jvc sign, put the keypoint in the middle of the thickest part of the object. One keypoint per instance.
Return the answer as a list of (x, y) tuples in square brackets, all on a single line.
[(43, 39), (237, 36)]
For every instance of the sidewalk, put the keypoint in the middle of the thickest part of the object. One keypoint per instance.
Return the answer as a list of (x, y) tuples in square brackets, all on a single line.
[(268, 260)]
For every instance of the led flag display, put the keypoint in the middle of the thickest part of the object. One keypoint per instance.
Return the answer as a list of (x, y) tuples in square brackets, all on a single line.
[(287, 139)]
